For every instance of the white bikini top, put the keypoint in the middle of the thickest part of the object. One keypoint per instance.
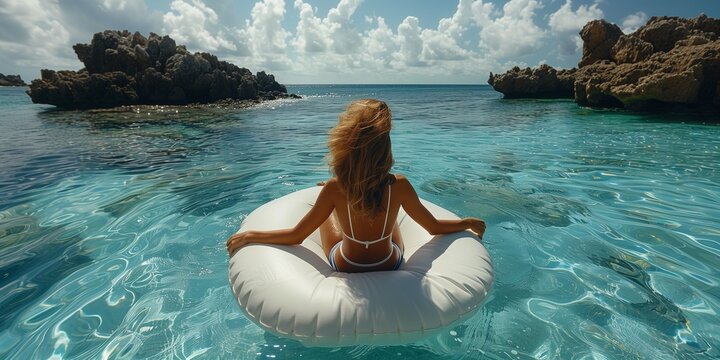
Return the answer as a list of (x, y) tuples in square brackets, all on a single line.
[(383, 236)]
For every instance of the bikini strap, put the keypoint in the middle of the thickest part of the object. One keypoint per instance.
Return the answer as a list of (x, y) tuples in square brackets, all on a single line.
[(392, 251), (382, 236), (387, 211), (352, 232)]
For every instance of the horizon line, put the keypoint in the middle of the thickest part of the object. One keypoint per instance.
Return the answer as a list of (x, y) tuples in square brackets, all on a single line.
[(388, 84)]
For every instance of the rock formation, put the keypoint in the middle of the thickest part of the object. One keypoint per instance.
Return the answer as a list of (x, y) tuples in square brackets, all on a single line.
[(542, 82), (669, 61), (11, 80), (598, 37), (122, 68)]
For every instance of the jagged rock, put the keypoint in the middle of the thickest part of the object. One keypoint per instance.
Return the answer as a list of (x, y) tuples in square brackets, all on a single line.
[(667, 61), (693, 40), (248, 87), (93, 56), (542, 82), (598, 36), (138, 39), (686, 75), (629, 49), (142, 58), (705, 24), (267, 83), (153, 50), (212, 59), (66, 88), (183, 69), (121, 59), (588, 86), (11, 80), (670, 61), (111, 89), (154, 87), (221, 86), (167, 48), (123, 68), (663, 33)]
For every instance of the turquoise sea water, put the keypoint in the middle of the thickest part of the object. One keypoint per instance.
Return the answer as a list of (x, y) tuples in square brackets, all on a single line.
[(603, 225)]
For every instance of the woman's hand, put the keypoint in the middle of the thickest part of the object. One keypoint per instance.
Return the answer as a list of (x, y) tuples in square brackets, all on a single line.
[(477, 226), (235, 242)]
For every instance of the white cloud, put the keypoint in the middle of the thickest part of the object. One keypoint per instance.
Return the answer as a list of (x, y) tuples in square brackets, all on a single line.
[(338, 46), (333, 44), (266, 36), (565, 24), (188, 23), (311, 36), (260, 43), (514, 33), (265, 30), (380, 43), (33, 34), (482, 12), (633, 21), (344, 36), (335, 33), (37, 21), (410, 42), (83, 18), (442, 44), (438, 45), (456, 25), (124, 5), (567, 20)]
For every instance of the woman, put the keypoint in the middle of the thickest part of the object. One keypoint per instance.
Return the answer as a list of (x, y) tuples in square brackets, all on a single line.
[(356, 209)]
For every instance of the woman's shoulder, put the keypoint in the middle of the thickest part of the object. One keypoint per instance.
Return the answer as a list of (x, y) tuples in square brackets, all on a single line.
[(402, 189), (400, 180), (331, 183), (331, 189)]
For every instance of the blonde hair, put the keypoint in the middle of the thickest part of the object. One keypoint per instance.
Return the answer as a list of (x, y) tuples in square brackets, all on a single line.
[(361, 154)]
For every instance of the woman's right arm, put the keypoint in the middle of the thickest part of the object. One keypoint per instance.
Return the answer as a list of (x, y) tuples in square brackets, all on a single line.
[(418, 212), (319, 212)]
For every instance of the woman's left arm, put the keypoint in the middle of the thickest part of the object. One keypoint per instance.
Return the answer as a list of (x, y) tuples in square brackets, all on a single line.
[(322, 209)]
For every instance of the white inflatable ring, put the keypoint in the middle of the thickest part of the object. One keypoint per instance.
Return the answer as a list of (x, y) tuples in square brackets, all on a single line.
[(291, 291)]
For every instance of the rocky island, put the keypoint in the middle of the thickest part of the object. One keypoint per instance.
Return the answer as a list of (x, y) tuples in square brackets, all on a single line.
[(123, 68), (668, 62), (11, 80)]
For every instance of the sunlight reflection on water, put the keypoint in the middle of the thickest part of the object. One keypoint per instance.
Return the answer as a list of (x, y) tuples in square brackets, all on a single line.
[(602, 225)]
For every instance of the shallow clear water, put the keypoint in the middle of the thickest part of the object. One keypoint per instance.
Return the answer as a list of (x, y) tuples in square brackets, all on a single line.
[(603, 225)]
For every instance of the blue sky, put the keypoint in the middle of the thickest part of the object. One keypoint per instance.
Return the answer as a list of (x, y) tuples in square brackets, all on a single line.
[(333, 41), (431, 11)]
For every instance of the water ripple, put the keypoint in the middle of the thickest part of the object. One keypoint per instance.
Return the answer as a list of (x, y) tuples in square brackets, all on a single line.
[(602, 224)]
